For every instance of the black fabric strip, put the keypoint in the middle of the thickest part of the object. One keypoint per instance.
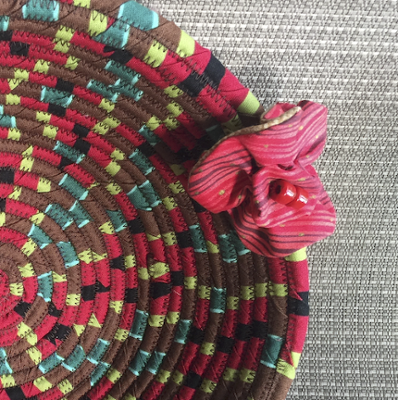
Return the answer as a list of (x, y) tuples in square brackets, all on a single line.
[(80, 130), (88, 292), (215, 71), (3, 204), (135, 226), (243, 332), (15, 393), (177, 278), (131, 295), (53, 311), (19, 49), (260, 329), (117, 263), (184, 239), (7, 175), (57, 110), (299, 307), (196, 335), (159, 289), (193, 380), (193, 84), (65, 86), (121, 56), (225, 344), (6, 36), (82, 146), (22, 308)]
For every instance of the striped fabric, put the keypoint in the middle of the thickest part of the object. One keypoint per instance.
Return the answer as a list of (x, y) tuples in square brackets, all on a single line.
[(235, 176)]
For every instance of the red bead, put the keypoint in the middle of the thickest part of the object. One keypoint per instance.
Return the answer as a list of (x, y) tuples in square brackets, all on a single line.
[(300, 200), (282, 191), (288, 194)]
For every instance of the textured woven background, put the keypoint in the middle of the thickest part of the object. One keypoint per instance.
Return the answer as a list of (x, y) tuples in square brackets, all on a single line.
[(345, 55)]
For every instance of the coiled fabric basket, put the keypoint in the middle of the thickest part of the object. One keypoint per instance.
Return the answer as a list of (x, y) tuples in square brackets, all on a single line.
[(114, 284)]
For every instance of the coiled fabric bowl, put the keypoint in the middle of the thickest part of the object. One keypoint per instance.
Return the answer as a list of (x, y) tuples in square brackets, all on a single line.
[(114, 284)]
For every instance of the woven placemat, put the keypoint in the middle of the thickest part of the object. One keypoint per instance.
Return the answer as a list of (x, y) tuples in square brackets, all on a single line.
[(114, 284), (344, 55)]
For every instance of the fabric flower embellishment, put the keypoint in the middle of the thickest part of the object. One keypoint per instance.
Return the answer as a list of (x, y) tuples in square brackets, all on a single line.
[(263, 177)]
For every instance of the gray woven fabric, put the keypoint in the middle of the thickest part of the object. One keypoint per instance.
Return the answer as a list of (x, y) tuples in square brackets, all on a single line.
[(343, 54)]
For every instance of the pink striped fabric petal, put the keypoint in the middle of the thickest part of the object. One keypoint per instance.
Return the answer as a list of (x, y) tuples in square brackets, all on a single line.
[(299, 139), (312, 138), (305, 231), (275, 145), (235, 176), (285, 239), (222, 180)]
